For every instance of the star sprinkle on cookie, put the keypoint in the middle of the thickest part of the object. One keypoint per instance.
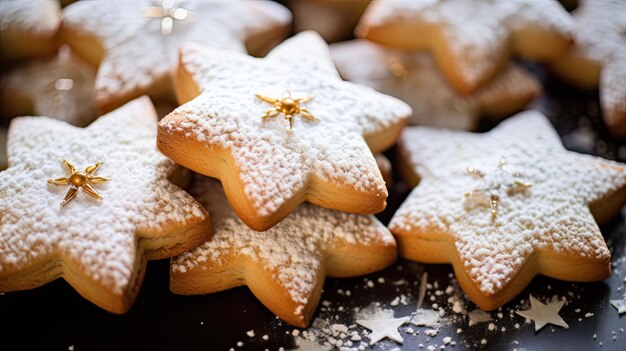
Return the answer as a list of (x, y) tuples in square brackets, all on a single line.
[(29, 28), (99, 246), (547, 198), (285, 266), (415, 79), (599, 57), (471, 40), (118, 34), (80, 179), (60, 87), (543, 314), (266, 167)]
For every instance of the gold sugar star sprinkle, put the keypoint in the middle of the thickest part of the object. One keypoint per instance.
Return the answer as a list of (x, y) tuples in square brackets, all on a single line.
[(168, 12), (80, 179), (496, 184), (396, 67), (289, 107)]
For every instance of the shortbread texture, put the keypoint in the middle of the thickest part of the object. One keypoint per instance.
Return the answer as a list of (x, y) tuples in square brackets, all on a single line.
[(292, 252), (98, 236), (415, 79), (274, 164), (60, 87), (138, 55), (477, 35), (601, 40), (34, 20), (552, 215)]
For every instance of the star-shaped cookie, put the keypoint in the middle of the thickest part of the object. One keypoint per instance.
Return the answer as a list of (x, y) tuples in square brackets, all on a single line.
[(599, 57), (29, 28), (136, 42), (285, 266), (415, 79), (60, 87), (100, 246), (267, 167), (506, 205), (470, 40)]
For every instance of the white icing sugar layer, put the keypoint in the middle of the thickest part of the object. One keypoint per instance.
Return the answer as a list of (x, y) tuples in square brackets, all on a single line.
[(293, 251), (273, 163), (552, 213), (37, 17), (98, 236)]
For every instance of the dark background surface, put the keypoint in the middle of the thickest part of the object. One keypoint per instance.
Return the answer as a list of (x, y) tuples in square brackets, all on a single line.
[(55, 317)]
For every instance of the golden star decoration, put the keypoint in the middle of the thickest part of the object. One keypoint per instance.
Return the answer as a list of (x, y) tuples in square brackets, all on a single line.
[(168, 12), (80, 179), (289, 107), (496, 184)]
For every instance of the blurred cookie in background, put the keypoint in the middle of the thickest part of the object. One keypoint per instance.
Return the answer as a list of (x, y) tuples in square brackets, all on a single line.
[(416, 79), (29, 29), (135, 44), (472, 41), (60, 87), (334, 20), (599, 58)]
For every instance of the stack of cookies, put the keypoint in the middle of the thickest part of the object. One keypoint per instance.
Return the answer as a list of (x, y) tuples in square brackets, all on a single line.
[(93, 204), (267, 172)]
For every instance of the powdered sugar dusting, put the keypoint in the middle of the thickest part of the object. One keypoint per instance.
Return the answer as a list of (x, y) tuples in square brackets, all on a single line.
[(60, 87), (99, 236), (274, 165), (424, 88), (551, 215), (127, 34), (36, 17), (294, 250), (479, 30)]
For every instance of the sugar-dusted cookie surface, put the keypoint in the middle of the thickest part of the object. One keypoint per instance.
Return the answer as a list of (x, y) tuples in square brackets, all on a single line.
[(29, 28), (415, 79), (136, 42), (599, 57), (3, 148), (60, 87), (228, 128), (100, 246), (506, 205), (471, 40), (285, 266)]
